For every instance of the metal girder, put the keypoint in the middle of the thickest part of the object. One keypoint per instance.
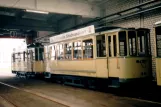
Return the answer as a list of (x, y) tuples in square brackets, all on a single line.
[(10, 22), (56, 6)]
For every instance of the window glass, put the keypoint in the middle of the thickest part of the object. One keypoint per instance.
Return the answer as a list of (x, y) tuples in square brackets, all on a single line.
[(109, 46), (46, 52), (148, 39), (28, 55), (49, 53), (32, 53), (36, 54), (53, 52), (60, 52), (21, 56), (114, 45), (77, 50), (88, 48), (132, 43), (13, 56), (101, 47), (17, 57), (41, 52), (68, 51), (142, 43), (24, 56), (122, 44), (158, 41)]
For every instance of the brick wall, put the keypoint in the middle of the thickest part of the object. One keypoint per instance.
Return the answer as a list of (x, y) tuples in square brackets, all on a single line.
[(145, 20)]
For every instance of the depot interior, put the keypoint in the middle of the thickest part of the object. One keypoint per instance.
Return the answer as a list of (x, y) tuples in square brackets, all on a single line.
[(23, 23)]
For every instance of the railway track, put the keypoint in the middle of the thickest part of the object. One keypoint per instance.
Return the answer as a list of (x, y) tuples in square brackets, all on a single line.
[(8, 101), (65, 104)]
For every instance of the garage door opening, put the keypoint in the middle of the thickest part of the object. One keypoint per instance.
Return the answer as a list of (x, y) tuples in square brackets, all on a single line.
[(7, 46)]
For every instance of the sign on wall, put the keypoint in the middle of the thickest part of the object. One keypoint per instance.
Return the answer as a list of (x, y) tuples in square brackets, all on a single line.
[(73, 34)]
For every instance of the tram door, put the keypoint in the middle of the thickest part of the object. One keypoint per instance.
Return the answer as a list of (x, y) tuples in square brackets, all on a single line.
[(112, 54)]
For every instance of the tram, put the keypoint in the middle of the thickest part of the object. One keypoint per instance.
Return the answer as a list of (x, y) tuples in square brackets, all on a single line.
[(28, 62), (113, 57)]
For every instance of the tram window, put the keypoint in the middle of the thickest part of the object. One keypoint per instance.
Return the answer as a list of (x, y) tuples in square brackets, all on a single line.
[(16, 57), (21, 58), (158, 41), (13, 56), (68, 51), (77, 50), (109, 46), (36, 54), (122, 44), (101, 47), (141, 43), (45, 52), (33, 53), (88, 49), (114, 45), (53, 52), (24, 55), (49, 53), (132, 42), (41, 51), (60, 52)]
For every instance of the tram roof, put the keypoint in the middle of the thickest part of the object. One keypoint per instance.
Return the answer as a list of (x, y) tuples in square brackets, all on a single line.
[(157, 24), (104, 30), (34, 45)]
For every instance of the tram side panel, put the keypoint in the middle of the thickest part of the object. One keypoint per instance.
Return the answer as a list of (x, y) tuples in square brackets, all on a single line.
[(158, 71), (132, 69), (38, 67)]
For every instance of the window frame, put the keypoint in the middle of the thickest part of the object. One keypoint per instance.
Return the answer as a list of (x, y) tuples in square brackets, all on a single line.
[(156, 33), (136, 44), (126, 44), (81, 45), (65, 50), (110, 50), (93, 52), (104, 46)]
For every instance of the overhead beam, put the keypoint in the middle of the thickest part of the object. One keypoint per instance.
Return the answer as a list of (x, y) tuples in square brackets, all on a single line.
[(55, 6), (10, 22)]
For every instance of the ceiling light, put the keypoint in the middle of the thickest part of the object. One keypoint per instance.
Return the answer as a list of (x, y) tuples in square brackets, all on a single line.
[(36, 11)]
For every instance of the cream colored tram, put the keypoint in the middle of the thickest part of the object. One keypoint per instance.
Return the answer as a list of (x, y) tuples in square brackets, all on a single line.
[(158, 51), (30, 62), (111, 57), (19, 62), (37, 59)]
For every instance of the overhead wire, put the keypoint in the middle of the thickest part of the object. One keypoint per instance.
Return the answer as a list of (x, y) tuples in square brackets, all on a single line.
[(14, 4)]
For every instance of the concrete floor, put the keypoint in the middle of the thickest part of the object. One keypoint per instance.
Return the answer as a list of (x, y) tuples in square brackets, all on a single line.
[(71, 96)]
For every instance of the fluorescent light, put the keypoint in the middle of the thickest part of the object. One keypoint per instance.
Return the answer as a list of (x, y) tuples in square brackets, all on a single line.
[(36, 11)]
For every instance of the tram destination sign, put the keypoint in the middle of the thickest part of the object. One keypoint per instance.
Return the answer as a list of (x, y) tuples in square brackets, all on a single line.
[(73, 34)]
